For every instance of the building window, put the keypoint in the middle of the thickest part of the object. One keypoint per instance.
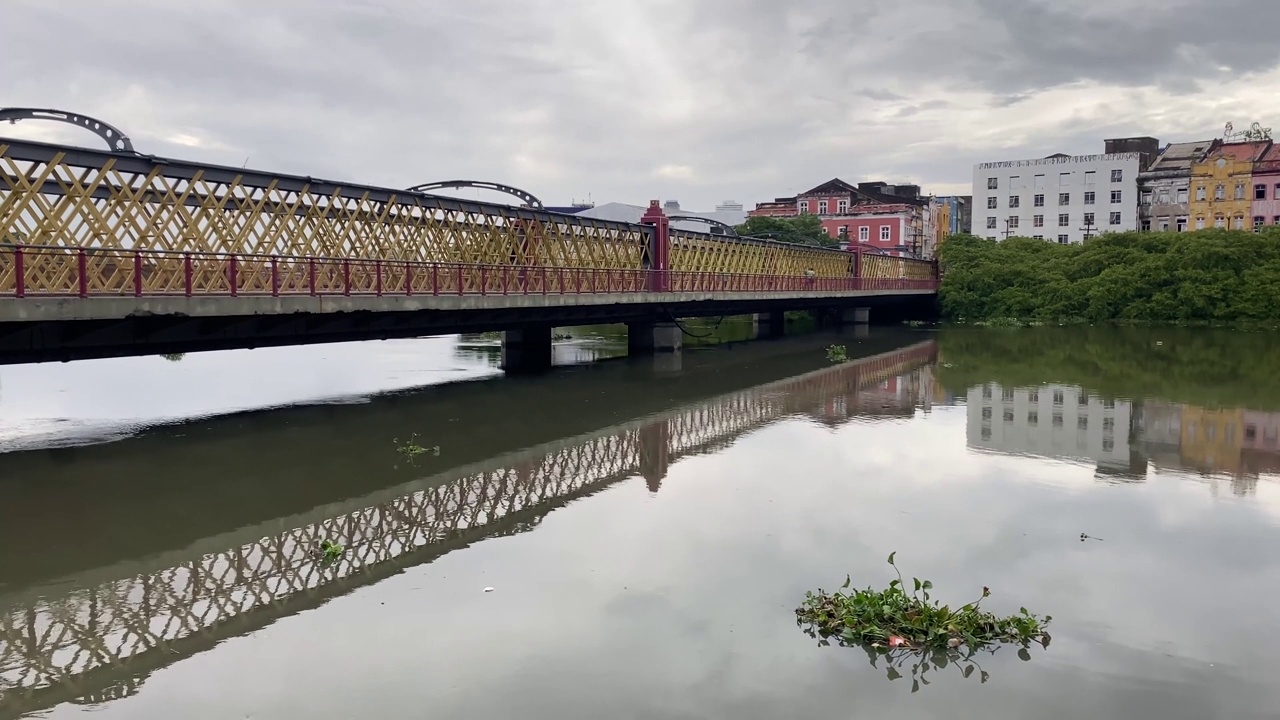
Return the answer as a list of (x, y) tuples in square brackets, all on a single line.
[(884, 232), (1064, 220), (1013, 221), (1064, 198), (804, 206), (822, 207), (1058, 397), (1008, 416), (1182, 224), (1258, 221), (1057, 419), (1117, 176), (991, 223), (1237, 222), (1146, 226), (1199, 223), (1090, 177), (991, 203), (1088, 219), (1033, 418), (1037, 237), (1063, 240), (864, 234), (842, 206), (1006, 394), (1015, 201), (1033, 396), (1200, 193), (1089, 198), (1260, 192), (992, 184), (1220, 192), (986, 395), (1146, 197), (1037, 220), (1117, 197), (1038, 200), (844, 232), (1164, 224), (1082, 422), (1064, 179), (1115, 218), (1277, 193), (1219, 221), (1239, 191), (1182, 195), (1275, 220)]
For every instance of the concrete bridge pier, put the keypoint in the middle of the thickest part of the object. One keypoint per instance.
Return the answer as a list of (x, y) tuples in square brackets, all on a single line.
[(527, 349), (855, 316), (771, 324), (645, 338)]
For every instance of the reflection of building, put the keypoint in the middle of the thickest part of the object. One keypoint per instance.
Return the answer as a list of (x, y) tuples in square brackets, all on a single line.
[(895, 397), (1211, 439), (1050, 420)]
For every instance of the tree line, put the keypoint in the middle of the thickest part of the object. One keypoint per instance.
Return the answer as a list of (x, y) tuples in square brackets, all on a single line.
[(1207, 276)]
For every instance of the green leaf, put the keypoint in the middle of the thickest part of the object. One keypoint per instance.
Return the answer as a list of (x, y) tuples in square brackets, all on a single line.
[(895, 552), (927, 585), (917, 581), (847, 581)]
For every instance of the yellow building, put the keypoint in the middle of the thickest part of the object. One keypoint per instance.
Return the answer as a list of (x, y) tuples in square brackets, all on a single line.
[(1222, 185)]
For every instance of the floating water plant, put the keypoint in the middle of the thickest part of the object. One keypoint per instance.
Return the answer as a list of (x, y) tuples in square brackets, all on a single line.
[(894, 618), (838, 354), (331, 550), (411, 448)]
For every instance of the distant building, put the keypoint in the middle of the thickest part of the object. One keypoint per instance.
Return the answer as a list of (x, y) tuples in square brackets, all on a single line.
[(1266, 189), (622, 212), (729, 206), (951, 217), (1222, 189), (1164, 187), (889, 218), (1064, 198)]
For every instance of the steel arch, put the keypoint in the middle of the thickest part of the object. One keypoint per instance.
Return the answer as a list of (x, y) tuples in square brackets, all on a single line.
[(730, 231), (516, 192), (116, 140)]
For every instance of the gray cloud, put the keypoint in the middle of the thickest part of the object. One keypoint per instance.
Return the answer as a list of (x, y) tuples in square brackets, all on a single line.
[(700, 100)]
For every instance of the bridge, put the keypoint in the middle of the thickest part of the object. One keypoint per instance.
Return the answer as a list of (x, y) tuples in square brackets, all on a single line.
[(111, 252), (98, 633)]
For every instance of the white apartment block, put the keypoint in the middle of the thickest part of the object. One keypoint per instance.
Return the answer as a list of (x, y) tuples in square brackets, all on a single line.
[(1057, 421), (1062, 198)]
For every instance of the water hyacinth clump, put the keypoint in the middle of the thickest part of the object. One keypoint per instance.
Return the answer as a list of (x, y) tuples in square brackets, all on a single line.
[(895, 618)]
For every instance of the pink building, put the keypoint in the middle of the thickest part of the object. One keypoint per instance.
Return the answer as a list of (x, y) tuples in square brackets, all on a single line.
[(1266, 188), (890, 218)]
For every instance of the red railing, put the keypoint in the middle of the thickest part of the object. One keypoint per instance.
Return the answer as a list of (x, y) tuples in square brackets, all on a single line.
[(38, 271)]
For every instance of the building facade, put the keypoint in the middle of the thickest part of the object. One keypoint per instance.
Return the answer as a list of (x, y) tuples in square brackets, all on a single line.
[(1266, 189), (890, 218), (1062, 198), (1164, 188), (1058, 421), (1222, 185)]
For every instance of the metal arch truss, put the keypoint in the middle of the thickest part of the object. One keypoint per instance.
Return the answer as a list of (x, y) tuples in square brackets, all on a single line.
[(117, 141), (524, 196), (57, 649), (728, 229)]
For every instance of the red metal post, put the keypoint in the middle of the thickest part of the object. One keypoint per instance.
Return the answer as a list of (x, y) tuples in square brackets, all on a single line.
[(506, 272), (377, 280), (857, 268), (346, 276), (233, 275), (544, 279), (659, 246), (188, 274), (459, 279), (484, 280), (19, 273), (275, 277), (408, 278), (82, 270), (137, 273)]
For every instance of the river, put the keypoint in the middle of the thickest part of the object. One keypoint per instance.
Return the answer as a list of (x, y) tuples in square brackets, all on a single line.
[(629, 538)]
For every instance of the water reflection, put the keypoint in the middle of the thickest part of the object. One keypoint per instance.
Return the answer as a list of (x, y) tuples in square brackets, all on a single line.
[(97, 635)]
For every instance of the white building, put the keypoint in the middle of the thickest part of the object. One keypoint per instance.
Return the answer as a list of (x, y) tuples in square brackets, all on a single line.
[(1057, 421), (1062, 197), (729, 206)]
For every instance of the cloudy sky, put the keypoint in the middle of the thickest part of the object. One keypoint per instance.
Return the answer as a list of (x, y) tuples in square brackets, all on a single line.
[(627, 100)]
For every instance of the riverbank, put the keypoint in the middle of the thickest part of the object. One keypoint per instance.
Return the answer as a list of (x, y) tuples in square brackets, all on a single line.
[(1206, 278)]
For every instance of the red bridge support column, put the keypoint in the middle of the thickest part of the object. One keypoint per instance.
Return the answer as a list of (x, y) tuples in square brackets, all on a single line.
[(659, 255)]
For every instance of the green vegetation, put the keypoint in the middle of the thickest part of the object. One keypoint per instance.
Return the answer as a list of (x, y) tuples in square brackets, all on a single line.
[(1208, 367), (411, 448), (893, 618), (800, 230), (1208, 277), (330, 550), (838, 354), (173, 357)]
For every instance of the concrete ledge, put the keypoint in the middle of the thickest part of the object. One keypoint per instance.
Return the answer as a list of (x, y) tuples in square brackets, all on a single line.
[(49, 309)]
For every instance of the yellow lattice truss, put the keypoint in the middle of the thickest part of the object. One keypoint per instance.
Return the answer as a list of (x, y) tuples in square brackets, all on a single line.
[(98, 200), (705, 253), (888, 267)]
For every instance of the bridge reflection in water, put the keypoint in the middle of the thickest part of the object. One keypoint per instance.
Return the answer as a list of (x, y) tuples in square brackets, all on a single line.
[(100, 641)]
